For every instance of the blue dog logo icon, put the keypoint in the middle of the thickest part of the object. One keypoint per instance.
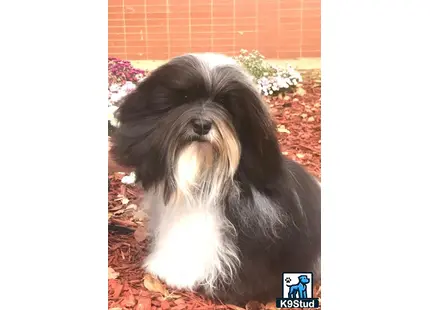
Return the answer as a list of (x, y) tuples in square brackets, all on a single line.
[(298, 290)]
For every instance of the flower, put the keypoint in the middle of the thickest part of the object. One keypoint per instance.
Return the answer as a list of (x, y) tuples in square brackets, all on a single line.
[(123, 79), (270, 80), (129, 87), (121, 71), (115, 97)]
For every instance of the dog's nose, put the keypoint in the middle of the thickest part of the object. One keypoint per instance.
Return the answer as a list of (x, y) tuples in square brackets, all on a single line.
[(201, 126)]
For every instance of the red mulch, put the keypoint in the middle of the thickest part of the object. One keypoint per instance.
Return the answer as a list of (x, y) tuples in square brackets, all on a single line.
[(299, 118)]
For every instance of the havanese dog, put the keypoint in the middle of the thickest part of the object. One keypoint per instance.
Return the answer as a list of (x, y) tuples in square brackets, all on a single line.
[(228, 214)]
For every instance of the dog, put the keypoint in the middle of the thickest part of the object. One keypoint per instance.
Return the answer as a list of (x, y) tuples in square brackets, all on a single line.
[(228, 214), (299, 290)]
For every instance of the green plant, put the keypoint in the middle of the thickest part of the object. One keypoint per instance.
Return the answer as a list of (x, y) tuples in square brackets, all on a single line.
[(254, 62), (271, 80)]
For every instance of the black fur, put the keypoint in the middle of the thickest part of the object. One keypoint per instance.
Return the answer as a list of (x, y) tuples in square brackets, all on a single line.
[(298, 248), (153, 119)]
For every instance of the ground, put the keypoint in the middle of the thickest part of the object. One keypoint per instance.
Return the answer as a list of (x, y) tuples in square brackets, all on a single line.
[(298, 117)]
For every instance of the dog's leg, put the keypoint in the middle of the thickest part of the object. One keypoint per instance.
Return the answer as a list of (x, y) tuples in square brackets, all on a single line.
[(291, 293), (305, 293)]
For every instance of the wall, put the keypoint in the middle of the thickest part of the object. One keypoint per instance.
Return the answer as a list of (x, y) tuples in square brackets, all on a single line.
[(160, 29)]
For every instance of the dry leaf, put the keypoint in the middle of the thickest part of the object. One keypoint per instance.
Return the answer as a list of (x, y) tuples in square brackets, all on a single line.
[(115, 208), (131, 206), (165, 305), (254, 305), (304, 115), (119, 212), (112, 274), (144, 304), (172, 296), (233, 307), (311, 119), (300, 155), (154, 285), (129, 301), (117, 290), (140, 215), (300, 91), (179, 301), (109, 215), (282, 128), (140, 234), (271, 306)]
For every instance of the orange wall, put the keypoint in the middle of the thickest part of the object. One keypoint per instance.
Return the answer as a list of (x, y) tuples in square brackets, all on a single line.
[(160, 29)]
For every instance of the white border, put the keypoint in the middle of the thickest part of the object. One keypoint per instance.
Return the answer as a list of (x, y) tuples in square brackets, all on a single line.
[(375, 156), (54, 160)]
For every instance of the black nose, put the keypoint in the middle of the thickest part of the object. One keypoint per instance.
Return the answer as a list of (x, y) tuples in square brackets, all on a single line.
[(201, 126)]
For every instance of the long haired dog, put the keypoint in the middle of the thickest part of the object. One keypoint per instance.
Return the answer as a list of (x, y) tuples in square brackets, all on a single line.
[(228, 213)]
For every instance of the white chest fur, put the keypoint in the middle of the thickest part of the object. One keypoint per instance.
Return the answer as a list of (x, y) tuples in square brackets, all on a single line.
[(189, 244)]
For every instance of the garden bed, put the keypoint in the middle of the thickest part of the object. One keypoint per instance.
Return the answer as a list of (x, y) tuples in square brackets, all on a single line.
[(298, 117)]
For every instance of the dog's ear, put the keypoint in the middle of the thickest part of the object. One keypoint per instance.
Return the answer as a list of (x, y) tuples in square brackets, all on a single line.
[(261, 159), (137, 104), (135, 143)]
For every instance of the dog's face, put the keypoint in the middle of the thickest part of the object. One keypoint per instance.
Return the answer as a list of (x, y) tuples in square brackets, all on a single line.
[(194, 117), (304, 279)]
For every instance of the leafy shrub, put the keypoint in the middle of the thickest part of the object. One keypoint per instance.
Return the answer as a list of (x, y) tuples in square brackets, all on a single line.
[(271, 80), (254, 63)]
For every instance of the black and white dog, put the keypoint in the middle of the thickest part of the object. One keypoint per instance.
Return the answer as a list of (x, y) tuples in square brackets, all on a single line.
[(228, 213)]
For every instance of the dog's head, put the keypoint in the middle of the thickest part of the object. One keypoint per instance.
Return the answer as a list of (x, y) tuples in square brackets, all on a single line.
[(304, 279), (197, 117)]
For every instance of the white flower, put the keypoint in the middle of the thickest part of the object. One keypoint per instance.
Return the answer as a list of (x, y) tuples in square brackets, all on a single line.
[(114, 87), (139, 77), (128, 87), (115, 97)]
